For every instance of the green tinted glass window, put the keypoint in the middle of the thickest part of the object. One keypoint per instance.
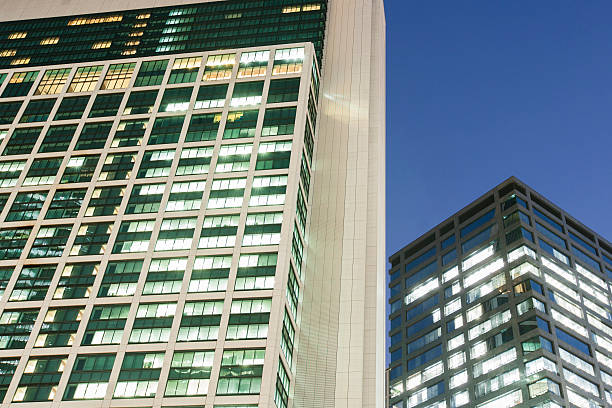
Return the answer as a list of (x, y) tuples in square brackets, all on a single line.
[(22, 141), (151, 73), (106, 105), (66, 203), (8, 112), (175, 100), (38, 110), (80, 169), (284, 90), (166, 129), (93, 135), (241, 124), (57, 139), (203, 127), (27, 206), (140, 102), (20, 84), (280, 121), (72, 108)]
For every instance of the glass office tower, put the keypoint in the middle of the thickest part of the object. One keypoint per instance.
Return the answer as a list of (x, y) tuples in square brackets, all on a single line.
[(169, 171), (505, 304)]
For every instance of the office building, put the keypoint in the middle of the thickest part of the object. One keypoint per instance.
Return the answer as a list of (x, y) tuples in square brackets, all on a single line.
[(505, 304), (192, 203)]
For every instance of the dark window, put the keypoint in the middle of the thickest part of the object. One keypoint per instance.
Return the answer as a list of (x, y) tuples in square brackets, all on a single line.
[(66, 203), (284, 90), (80, 169), (38, 110), (57, 139), (106, 105), (166, 130), (203, 127), (72, 108), (140, 102), (151, 73), (27, 206), (22, 141), (8, 112), (93, 135)]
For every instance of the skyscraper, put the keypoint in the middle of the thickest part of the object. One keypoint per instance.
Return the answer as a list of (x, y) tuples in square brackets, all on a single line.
[(192, 203), (505, 304)]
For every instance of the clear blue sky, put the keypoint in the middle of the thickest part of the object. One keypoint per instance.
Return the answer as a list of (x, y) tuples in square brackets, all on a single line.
[(478, 91)]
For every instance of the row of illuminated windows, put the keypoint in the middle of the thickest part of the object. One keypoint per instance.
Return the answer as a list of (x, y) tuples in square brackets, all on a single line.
[(164, 130), (200, 321), (208, 274), (135, 236), (151, 73), (189, 374), (492, 363), (154, 163)]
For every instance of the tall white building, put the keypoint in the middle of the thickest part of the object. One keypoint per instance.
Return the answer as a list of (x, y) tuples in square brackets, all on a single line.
[(192, 203)]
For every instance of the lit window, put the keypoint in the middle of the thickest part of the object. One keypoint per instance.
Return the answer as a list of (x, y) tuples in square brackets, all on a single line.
[(49, 41), (8, 53), (85, 79), (118, 76), (101, 44), (219, 67), (17, 35), (94, 20), (136, 34), (143, 16), (253, 64), (52, 81), (21, 61), (458, 379), (288, 61), (210, 273), (189, 373), (128, 52)]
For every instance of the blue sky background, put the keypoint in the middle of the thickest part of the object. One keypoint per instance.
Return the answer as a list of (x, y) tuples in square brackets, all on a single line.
[(478, 91)]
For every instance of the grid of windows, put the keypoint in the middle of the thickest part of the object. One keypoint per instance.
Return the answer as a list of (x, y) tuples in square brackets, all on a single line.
[(505, 310), (112, 224)]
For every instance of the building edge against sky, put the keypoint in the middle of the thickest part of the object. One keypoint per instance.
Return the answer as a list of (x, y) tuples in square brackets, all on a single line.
[(340, 359), (506, 303)]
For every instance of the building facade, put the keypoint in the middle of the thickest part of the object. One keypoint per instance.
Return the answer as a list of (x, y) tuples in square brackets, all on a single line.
[(178, 182), (505, 304)]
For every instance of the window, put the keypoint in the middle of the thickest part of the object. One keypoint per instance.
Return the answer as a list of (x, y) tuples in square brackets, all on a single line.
[(93, 135), (268, 190), (219, 231), (189, 373), (12, 241), (491, 342), (106, 105), (175, 233), (26, 206), (219, 67), (287, 339), (247, 94), (550, 235), (227, 193), (152, 323), (527, 305), (120, 278), (66, 203), (52, 81), (145, 198), (200, 321), (284, 90), (532, 323), (210, 274), (8, 112), (91, 239), (140, 102), (279, 121), (273, 155), (165, 276), (203, 127), (185, 70), (186, 196), (33, 283), (423, 323), (15, 327), (543, 386), (85, 79), (89, 377), (253, 64), (76, 281), (249, 319), (156, 163), (256, 271), (105, 325), (211, 96), (166, 130), (234, 158), (38, 110), (50, 241), (151, 73), (22, 141), (492, 363), (536, 343), (540, 364), (240, 124), (105, 201), (425, 357), (194, 160), (57, 139), (262, 229), (288, 61), (117, 166), (474, 225), (175, 100), (59, 327), (20, 84), (573, 341), (133, 236), (80, 169), (118, 76), (241, 372), (139, 375), (72, 108), (8, 367), (10, 172), (129, 133), (40, 379)]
